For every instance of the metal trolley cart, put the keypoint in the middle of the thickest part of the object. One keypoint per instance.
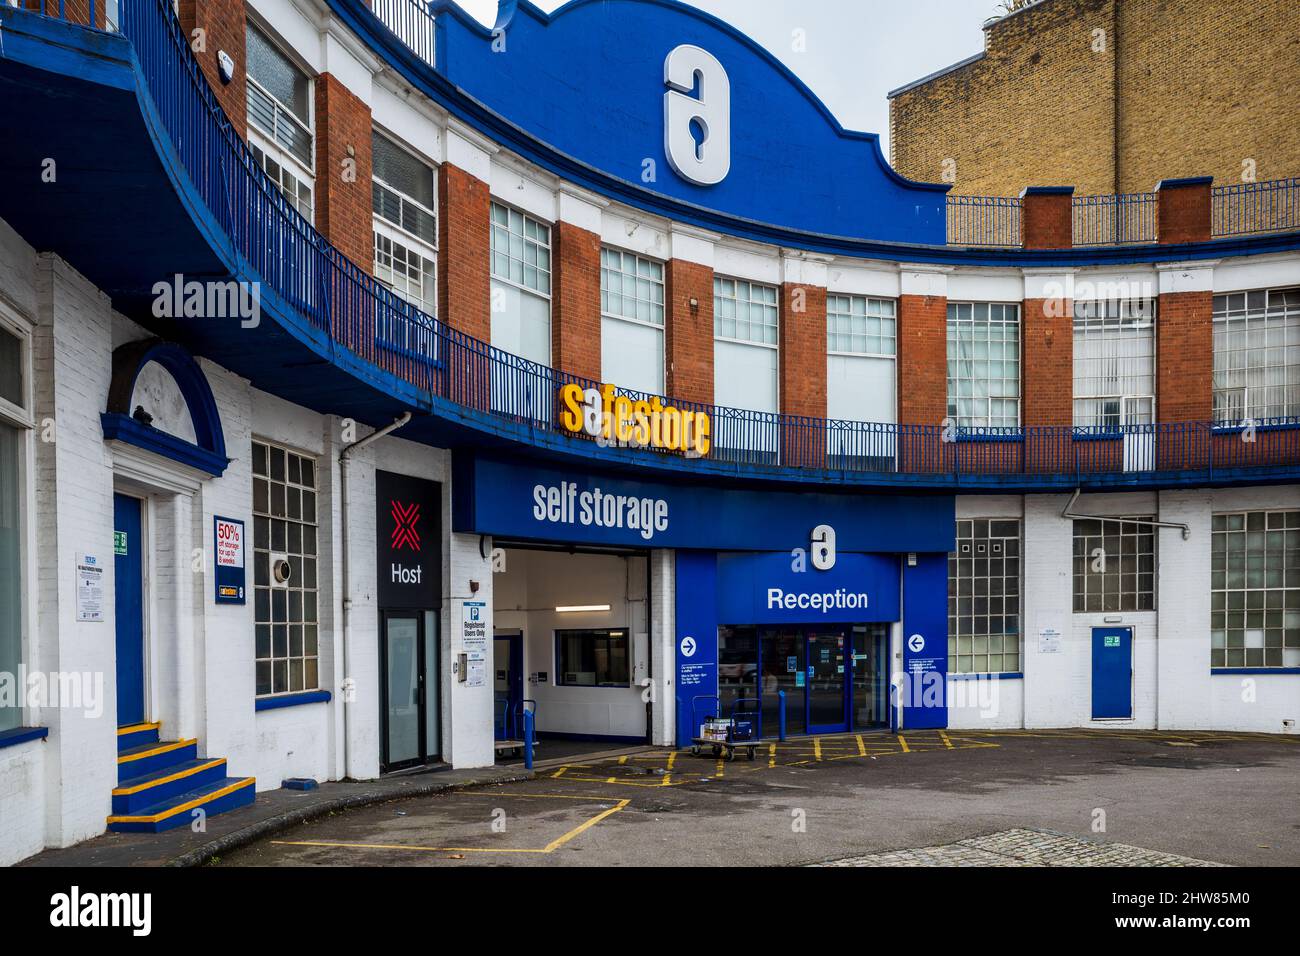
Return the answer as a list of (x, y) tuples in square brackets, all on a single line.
[(726, 735), (509, 725)]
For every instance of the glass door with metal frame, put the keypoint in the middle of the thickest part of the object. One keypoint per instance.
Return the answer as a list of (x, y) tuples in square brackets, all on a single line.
[(405, 725)]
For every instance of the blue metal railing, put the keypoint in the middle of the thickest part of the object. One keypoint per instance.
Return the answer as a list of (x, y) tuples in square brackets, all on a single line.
[(1114, 220), (1253, 208), (352, 309), (411, 22), (984, 221)]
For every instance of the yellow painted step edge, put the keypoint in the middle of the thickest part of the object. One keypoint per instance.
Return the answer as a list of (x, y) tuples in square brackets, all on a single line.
[(216, 794), (137, 728), (160, 749), (127, 791)]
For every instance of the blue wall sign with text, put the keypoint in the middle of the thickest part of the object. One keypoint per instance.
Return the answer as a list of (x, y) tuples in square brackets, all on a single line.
[(765, 589), (521, 500), (229, 549)]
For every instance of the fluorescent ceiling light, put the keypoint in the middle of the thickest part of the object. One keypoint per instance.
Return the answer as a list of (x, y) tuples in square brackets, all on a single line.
[(578, 608)]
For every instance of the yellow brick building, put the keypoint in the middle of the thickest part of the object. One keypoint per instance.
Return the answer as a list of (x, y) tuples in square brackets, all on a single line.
[(1110, 96)]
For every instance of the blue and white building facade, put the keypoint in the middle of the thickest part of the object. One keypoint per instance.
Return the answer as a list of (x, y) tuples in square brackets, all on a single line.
[(267, 514)]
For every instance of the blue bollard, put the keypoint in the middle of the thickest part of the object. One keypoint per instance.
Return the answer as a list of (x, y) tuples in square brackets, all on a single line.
[(780, 710), (528, 740)]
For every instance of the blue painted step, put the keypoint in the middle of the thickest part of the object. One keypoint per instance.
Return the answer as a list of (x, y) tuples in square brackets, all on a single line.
[(152, 788), (135, 735), (148, 757), (178, 811)]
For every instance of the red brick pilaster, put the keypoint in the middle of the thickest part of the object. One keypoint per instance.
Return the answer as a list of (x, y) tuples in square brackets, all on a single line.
[(1047, 217), (464, 244), (688, 340), (575, 298), (922, 359), (1184, 210), (1047, 376), (343, 190), (802, 372), (223, 24), (1185, 357)]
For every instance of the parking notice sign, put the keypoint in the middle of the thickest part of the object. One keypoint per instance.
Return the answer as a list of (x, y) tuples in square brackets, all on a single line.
[(228, 560)]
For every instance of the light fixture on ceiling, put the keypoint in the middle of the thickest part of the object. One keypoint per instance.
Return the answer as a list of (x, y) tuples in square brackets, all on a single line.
[(581, 608)]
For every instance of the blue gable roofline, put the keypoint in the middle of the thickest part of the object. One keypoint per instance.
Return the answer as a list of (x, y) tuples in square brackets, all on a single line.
[(497, 127), (592, 82)]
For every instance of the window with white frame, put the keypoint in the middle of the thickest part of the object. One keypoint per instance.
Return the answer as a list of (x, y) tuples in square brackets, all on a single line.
[(1255, 589), (1114, 565), (745, 350), (632, 321), (984, 597), (984, 364), (15, 424), (1114, 363), (1256, 355), (404, 198), (285, 531), (521, 284), (280, 119), (861, 346)]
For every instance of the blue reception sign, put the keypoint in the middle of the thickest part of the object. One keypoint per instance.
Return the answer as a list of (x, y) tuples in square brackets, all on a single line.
[(229, 559), (520, 500), (766, 589)]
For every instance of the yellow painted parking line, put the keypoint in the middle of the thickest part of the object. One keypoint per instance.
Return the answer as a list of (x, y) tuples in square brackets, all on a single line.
[(771, 755), (672, 759), (612, 780), (817, 748), (622, 761), (946, 742), (721, 765), (667, 780), (549, 848), (559, 773), (903, 741), (862, 746)]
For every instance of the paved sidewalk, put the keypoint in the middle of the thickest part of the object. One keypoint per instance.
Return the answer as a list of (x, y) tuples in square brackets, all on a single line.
[(271, 812), (1022, 847)]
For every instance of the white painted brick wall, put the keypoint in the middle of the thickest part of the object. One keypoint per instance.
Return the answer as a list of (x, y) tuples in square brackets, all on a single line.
[(22, 801)]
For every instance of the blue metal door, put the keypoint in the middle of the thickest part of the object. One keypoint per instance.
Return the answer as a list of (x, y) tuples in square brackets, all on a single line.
[(129, 614), (1112, 672)]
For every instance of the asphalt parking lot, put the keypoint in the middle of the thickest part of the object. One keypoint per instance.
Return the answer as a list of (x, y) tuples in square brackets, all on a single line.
[(927, 798)]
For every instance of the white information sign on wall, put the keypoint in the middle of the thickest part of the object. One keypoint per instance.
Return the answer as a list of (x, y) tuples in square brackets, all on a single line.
[(1049, 641), (90, 588)]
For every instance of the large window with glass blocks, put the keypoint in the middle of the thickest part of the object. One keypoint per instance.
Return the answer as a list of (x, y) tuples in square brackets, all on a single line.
[(1255, 589), (984, 597), (1114, 564), (285, 572)]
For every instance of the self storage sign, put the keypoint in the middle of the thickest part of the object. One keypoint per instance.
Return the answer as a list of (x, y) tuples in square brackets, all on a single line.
[(228, 548)]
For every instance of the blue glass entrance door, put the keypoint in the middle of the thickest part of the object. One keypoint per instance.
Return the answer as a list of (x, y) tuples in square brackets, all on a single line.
[(129, 608), (829, 673), (1112, 673)]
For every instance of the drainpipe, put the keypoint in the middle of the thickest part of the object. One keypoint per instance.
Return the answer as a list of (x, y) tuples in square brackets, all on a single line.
[(345, 457), (1069, 513)]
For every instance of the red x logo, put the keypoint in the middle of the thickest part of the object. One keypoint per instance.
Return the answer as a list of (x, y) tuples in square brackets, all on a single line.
[(405, 518)]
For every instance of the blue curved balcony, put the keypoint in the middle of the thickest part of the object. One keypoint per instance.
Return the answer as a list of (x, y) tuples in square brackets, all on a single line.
[(155, 182)]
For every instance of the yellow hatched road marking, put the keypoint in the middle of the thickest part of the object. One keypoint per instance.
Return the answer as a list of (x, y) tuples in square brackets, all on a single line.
[(906, 748), (549, 848), (817, 748), (771, 755), (862, 746), (946, 742)]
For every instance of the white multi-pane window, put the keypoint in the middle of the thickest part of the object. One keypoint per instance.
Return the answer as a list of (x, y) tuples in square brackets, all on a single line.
[(521, 284), (745, 317), (15, 424), (284, 533), (984, 364), (280, 119), (861, 348), (632, 321), (1255, 589), (1114, 363), (1256, 355), (1114, 565), (984, 597), (404, 199)]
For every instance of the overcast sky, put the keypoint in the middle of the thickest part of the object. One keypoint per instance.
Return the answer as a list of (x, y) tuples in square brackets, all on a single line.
[(857, 50)]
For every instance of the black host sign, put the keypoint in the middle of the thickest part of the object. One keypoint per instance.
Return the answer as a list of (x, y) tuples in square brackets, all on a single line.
[(409, 541)]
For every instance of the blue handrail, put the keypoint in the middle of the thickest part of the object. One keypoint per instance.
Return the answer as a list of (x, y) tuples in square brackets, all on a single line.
[(1251, 208), (353, 310)]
